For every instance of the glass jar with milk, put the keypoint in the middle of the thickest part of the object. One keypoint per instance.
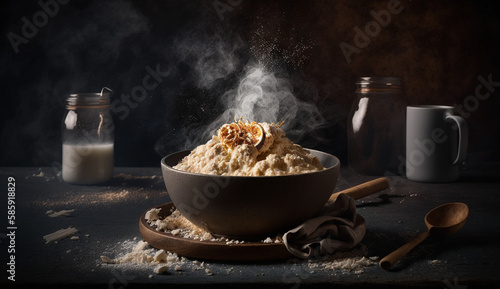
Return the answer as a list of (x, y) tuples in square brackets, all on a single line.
[(87, 139)]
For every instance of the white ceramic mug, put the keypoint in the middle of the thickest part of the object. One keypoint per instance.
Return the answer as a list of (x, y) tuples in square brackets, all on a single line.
[(436, 143)]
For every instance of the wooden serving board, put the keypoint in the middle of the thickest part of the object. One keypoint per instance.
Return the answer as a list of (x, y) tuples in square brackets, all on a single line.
[(248, 251), (209, 250)]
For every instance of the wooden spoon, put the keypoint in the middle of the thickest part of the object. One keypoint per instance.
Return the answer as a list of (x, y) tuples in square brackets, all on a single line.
[(363, 190), (444, 219)]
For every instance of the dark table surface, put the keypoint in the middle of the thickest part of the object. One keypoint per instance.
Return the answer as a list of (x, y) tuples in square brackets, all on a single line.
[(106, 217)]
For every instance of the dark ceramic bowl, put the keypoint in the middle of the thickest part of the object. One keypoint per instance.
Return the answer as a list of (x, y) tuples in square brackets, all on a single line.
[(249, 207)]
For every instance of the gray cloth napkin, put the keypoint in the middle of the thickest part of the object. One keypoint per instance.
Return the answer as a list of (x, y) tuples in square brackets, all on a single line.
[(337, 228)]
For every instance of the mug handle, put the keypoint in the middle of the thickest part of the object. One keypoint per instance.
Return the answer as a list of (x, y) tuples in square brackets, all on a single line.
[(463, 135)]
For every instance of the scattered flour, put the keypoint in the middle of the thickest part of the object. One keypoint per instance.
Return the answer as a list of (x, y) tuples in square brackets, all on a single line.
[(128, 177), (435, 262), (140, 253), (143, 254), (178, 225), (352, 264), (353, 261), (60, 234), (114, 196), (161, 269), (40, 175), (62, 213), (46, 176)]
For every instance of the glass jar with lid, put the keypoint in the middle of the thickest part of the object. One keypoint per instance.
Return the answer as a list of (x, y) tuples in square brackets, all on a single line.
[(376, 126), (87, 138)]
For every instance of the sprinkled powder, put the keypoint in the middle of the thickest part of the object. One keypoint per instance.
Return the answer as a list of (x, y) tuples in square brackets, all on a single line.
[(266, 44), (353, 261), (139, 253), (178, 225)]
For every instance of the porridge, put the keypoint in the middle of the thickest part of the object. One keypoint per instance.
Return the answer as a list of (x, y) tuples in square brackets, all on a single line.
[(250, 149)]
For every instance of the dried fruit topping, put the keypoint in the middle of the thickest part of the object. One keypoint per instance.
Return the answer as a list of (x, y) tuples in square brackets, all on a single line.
[(239, 132)]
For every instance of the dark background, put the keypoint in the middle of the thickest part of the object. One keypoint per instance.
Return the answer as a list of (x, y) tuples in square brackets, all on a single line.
[(204, 48)]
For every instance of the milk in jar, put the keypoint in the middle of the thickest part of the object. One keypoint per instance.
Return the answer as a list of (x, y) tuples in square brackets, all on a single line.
[(88, 139)]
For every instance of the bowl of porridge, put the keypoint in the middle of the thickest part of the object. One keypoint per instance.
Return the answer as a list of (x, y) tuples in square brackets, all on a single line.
[(249, 181)]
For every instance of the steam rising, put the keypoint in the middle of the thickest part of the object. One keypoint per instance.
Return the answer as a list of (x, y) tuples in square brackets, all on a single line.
[(244, 80), (263, 96), (210, 56)]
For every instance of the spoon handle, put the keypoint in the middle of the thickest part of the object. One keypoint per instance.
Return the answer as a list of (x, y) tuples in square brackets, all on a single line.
[(388, 261), (364, 189)]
